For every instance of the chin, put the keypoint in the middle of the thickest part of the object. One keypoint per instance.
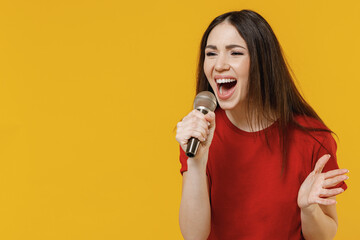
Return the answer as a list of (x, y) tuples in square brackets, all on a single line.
[(230, 103), (226, 105)]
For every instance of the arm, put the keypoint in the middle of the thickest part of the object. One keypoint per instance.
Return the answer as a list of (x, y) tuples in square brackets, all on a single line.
[(195, 213), (319, 222), (316, 200)]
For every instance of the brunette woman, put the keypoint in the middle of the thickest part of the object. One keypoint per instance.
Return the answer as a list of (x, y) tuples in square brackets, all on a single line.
[(266, 167)]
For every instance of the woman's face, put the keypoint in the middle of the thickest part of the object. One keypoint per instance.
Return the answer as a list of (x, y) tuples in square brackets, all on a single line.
[(226, 65)]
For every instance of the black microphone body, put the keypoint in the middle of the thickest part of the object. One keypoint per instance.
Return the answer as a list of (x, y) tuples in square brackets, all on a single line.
[(204, 102)]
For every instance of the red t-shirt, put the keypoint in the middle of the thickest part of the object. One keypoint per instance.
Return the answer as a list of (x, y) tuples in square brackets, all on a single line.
[(249, 197)]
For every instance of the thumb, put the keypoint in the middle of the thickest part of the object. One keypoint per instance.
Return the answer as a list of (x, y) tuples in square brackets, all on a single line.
[(320, 164), (210, 118)]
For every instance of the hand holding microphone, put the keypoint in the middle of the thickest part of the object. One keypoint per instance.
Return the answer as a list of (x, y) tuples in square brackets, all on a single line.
[(198, 126)]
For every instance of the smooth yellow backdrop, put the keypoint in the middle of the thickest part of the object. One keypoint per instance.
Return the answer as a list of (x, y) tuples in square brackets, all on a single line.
[(90, 92)]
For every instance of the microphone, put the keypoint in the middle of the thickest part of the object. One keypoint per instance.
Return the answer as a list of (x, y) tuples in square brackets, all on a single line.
[(204, 102)]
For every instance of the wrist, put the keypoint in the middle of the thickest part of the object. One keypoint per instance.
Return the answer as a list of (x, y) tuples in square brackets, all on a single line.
[(198, 162), (310, 210)]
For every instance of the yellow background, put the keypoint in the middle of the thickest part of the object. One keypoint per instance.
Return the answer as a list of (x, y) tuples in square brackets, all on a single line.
[(90, 92)]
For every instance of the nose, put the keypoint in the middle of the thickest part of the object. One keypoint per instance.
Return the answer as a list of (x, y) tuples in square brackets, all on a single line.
[(222, 63)]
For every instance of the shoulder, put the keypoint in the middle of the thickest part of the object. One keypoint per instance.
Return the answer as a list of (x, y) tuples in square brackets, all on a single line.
[(309, 122), (314, 131), (311, 127), (314, 139)]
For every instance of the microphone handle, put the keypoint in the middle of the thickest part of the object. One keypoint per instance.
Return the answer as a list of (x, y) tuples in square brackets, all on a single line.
[(193, 143)]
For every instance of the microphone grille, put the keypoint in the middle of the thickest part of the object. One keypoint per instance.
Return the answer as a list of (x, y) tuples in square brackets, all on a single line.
[(205, 99)]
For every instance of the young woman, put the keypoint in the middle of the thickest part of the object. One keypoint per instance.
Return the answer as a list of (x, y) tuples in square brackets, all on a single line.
[(268, 169)]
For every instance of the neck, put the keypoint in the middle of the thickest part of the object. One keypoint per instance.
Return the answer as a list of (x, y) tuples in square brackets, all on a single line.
[(239, 117)]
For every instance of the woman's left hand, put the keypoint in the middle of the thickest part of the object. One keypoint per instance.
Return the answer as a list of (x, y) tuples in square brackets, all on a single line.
[(316, 189)]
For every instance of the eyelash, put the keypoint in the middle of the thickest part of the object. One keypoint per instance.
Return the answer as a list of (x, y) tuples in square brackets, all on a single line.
[(209, 54)]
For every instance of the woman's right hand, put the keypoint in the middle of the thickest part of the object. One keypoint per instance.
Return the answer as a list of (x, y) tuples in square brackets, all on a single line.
[(199, 126), (195, 210)]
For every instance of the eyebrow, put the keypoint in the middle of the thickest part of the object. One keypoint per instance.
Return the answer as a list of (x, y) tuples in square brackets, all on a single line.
[(226, 47)]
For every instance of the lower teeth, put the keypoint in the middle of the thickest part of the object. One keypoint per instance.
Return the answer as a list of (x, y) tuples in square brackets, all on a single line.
[(220, 89)]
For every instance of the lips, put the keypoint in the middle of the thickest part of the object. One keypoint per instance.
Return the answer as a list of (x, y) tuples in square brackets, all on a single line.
[(225, 86)]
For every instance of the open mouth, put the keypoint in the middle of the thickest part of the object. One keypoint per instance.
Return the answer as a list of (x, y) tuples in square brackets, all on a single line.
[(226, 87)]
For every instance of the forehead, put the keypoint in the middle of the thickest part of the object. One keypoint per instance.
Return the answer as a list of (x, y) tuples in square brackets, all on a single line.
[(225, 33)]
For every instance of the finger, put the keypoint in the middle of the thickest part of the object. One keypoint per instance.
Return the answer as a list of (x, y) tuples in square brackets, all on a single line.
[(181, 135), (210, 118), (320, 164), (201, 117), (192, 122), (196, 124), (192, 114), (187, 116), (183, 138), (192, 129), (331, 192), (325, 201), (198, 113), (200, 134), (334, 181), (335, 172)]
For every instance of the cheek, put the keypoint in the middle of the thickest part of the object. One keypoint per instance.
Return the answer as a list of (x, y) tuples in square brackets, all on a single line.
[(243, 69), (207, 68)]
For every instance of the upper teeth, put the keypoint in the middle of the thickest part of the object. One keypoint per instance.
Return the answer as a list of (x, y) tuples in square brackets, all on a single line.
[(225, 80)]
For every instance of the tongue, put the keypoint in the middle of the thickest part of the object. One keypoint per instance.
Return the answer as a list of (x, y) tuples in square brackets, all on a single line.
[(226, 87)]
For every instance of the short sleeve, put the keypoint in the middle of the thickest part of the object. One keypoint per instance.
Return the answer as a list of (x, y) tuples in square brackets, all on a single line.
[(183, 161), (328, 145)]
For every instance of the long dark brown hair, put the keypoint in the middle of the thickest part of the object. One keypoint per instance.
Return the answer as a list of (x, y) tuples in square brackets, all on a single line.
[(271, 89)]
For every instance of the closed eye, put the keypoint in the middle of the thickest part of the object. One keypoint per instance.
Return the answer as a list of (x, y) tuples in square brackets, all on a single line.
[(237, 53), (210, 54)]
